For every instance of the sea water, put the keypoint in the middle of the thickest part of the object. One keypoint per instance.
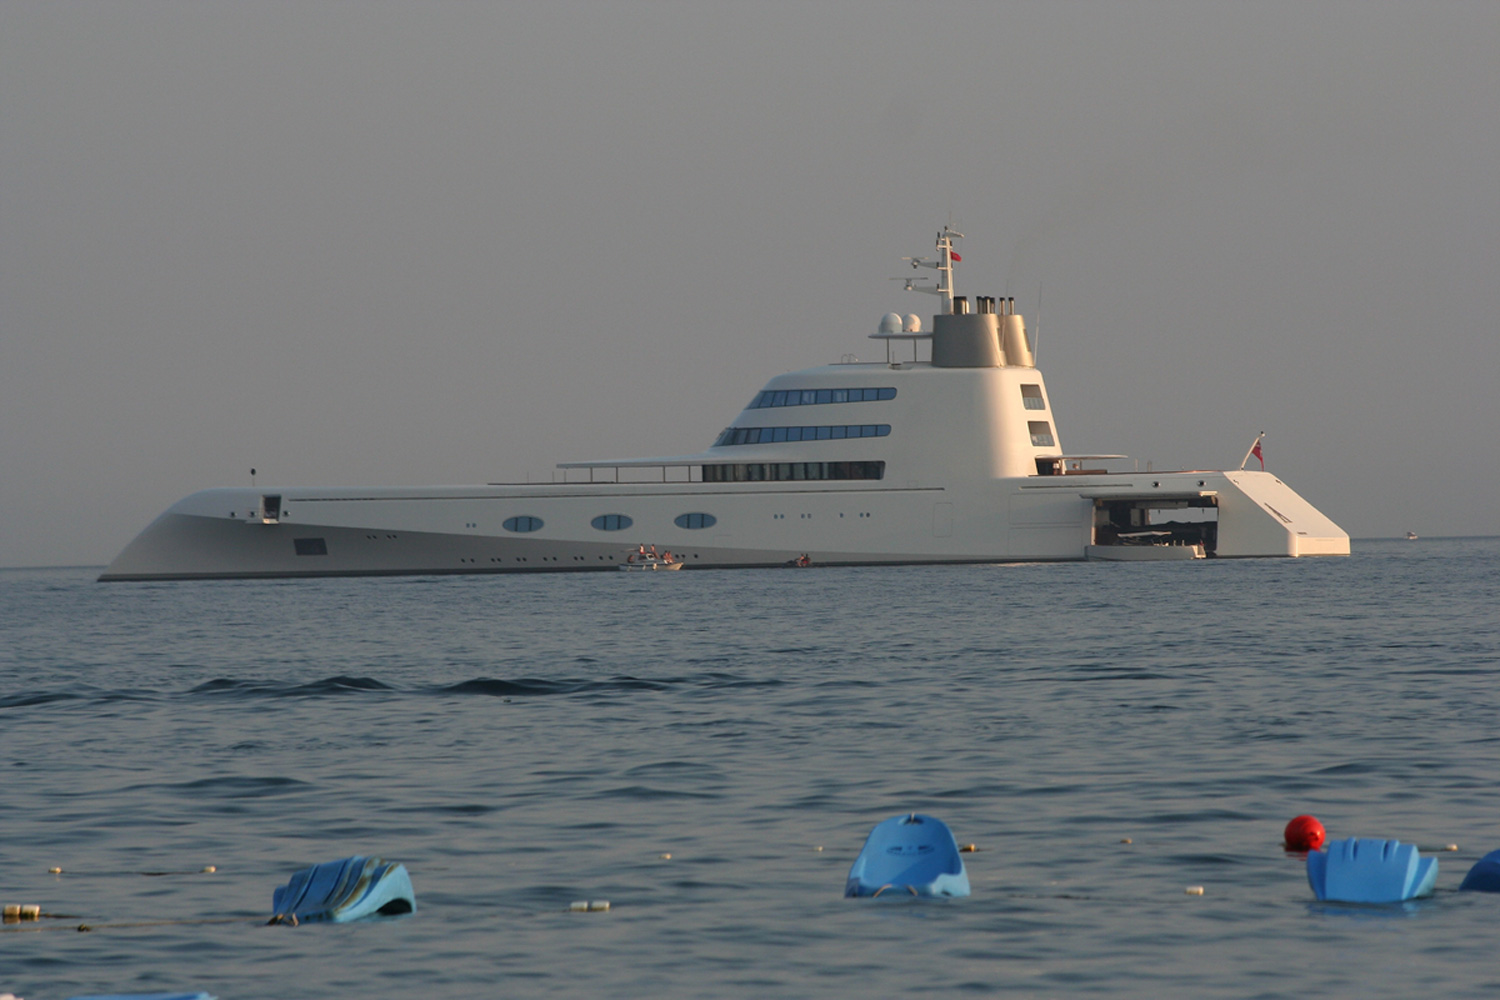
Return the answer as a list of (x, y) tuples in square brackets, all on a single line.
[(707, 750)]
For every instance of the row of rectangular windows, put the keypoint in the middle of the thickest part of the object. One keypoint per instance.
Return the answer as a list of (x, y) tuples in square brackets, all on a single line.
[(808, 397), (763, 435), (755, 472)]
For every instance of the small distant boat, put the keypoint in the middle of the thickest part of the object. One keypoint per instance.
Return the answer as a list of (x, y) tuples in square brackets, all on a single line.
[(647, 560), (1411, 536)]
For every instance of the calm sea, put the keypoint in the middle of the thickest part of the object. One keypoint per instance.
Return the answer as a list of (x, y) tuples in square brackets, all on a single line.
[(523, 742)]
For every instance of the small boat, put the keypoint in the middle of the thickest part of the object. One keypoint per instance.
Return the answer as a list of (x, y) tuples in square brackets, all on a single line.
[(1411, 536), (645, 559)]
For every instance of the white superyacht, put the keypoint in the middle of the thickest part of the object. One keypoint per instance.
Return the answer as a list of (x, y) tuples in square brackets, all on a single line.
[(953, 459)]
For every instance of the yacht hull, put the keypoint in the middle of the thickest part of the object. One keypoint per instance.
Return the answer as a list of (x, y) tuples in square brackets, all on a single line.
[(224, 534)]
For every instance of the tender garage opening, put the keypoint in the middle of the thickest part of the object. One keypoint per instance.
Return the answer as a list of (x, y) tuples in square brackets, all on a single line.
[(1177, 519)]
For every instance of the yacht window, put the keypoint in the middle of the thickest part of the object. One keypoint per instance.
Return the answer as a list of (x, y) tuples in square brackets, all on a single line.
[(522, 524), (780, 471), (310, 546), (778, 435), (1031, 396), (611, 522), (694, 521), (1041, 433), (808, 397)]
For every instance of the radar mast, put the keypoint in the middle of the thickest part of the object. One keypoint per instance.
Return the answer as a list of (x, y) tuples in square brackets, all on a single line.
[(946, 258)]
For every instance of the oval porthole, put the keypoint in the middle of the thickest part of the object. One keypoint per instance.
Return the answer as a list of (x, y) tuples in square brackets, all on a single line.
[(695, 520), (522, 524), (612, 522)]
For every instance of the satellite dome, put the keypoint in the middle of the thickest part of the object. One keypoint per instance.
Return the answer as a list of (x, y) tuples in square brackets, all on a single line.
[(890, 323), (913, 323)]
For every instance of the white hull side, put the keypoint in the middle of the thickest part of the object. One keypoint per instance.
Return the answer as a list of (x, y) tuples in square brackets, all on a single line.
[(458, 529)]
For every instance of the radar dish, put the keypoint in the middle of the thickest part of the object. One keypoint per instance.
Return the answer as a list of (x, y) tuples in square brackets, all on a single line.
[(890, 323), (913, 323)]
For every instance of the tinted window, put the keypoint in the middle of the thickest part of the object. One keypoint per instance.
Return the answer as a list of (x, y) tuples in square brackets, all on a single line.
[(611, 522), (522, 524)]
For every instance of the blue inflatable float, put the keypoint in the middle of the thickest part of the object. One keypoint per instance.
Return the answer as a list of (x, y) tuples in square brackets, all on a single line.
[(911, 855), (1484, 876), (340, 891), (1368, 870)]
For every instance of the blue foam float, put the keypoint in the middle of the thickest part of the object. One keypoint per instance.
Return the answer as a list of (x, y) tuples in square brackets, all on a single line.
[(1484, 876), (1369, 870), (911, 855), (340, 891)]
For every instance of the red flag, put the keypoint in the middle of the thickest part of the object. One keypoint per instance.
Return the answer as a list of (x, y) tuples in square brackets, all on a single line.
[(1256, 452), (956, 257)]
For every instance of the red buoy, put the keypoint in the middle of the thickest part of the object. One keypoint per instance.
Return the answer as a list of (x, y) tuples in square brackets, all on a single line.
[(1304, 833)]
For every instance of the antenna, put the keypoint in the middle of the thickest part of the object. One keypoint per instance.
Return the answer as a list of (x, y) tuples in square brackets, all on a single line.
[(1036, 341)]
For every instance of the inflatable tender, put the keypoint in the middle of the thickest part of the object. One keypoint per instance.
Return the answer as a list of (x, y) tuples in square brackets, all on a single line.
[(340, 891), (1484, 876), (1367, 870), (912, 855)]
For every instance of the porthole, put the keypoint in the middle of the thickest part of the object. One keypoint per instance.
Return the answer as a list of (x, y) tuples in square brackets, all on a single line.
[(611, 522), (695, 520), (521, 524)]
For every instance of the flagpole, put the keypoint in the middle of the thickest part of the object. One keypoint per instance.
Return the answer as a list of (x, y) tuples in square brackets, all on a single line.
[(1251, 450)]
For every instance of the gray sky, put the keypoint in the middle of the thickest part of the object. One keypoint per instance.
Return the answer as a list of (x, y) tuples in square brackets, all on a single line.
[(365, 243)]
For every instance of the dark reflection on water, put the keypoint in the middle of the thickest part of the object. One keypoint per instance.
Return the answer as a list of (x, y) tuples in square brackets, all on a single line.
[(707, 751)]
